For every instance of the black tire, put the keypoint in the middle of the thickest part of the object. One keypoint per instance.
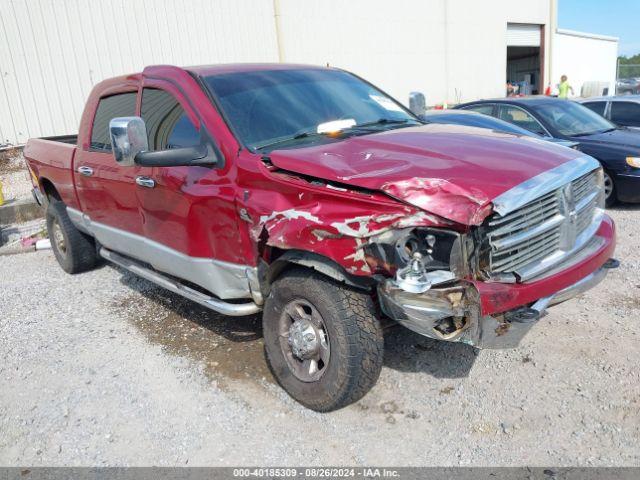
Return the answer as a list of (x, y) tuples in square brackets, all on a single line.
[(612, 198), (354, 334), (74, 250)]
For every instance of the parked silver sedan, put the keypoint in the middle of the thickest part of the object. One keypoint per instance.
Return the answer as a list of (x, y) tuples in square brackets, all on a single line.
[(623, 110)]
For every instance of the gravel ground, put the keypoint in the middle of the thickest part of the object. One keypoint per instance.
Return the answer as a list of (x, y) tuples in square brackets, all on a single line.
[(14, 176), (105, 369)]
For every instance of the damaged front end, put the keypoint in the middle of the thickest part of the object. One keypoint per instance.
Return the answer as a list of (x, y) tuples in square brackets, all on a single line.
[(479, 270), (423, 282), (452, 311), (550, 243)]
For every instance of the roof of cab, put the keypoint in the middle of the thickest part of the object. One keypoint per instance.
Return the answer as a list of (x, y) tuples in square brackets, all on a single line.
[(209, 70)]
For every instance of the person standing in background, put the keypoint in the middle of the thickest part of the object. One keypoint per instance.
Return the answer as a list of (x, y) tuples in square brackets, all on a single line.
[(564, 87)]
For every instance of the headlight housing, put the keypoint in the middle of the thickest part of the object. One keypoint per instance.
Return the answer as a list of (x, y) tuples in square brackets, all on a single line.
[(439, 249), (633, 162)]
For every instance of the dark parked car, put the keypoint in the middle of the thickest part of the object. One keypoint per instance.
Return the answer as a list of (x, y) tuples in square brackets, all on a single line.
[(473, 119), (617, 148), (623, 110), (627, 86)]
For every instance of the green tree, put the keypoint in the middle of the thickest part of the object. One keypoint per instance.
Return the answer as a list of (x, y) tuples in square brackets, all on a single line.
[(629, 67), (634, 60)]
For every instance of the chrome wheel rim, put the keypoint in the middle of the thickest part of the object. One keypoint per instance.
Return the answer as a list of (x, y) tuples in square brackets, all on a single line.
[(58, 237), (304, 340), (608, 185)]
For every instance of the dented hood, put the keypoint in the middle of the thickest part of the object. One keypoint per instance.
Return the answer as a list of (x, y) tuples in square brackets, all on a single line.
[(451, 171)]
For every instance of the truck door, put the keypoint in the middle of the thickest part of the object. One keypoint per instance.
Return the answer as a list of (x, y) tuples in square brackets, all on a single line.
[(106, 190), (188, 212)]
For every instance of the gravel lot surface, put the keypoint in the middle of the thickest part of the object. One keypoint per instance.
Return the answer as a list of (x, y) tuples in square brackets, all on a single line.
[(14, 175), (104, 368)]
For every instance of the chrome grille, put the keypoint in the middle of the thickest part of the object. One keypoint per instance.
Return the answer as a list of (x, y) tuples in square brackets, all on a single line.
[(536, 236)]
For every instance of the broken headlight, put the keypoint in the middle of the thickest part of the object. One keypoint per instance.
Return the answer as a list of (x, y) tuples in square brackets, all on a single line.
[(435, 249)]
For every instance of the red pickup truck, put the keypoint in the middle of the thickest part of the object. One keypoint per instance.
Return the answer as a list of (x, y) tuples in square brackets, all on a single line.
[(312, 196)]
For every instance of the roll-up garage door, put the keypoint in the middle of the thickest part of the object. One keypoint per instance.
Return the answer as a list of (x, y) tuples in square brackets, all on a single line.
[(523, 35)]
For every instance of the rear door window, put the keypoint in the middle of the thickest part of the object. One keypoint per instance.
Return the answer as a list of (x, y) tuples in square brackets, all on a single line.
[(168, 126), (521, 118), (120, 105), (598, 107), (626, 113)]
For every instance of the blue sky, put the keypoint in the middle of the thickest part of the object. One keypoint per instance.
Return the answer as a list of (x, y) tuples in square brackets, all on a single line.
[(618, 18)]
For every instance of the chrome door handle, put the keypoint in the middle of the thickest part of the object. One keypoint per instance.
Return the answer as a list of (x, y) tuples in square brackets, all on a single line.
[(86, 171), (145, 182)]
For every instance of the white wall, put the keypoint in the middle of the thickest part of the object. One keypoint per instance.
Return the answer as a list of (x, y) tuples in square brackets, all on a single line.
[(452, 50), (584, 58), (53, 51)]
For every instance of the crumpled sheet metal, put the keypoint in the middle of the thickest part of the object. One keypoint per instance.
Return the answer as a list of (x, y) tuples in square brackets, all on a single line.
[(335, 229), (465, 206)]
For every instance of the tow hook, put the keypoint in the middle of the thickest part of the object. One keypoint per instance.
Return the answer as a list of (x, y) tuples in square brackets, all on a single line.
[(611, 264), (522, 315)]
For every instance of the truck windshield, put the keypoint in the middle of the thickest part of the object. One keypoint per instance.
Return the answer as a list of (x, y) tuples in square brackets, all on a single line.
[(266, 108)]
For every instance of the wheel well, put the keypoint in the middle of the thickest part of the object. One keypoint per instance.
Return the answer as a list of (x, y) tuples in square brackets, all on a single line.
[(313, 261), (49, 189)]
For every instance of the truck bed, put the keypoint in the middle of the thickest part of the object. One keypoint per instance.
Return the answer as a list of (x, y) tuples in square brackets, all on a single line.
[(72, 139), (51, 160)]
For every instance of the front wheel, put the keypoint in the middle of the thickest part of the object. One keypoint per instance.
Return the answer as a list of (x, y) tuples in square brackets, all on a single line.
[(323, 341), (610, 196)]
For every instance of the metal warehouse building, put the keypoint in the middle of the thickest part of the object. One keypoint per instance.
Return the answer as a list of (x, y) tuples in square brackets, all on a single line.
[(53, 51)]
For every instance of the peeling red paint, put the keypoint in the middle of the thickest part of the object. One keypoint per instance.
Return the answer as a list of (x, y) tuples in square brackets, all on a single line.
[(338, 232)]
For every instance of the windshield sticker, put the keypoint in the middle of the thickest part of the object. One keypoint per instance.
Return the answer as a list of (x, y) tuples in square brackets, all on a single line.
[(335, 125), (386, 103)]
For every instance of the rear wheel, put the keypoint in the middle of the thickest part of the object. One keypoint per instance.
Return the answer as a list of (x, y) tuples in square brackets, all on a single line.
[(323, 341), (610, 197), (74, 250)]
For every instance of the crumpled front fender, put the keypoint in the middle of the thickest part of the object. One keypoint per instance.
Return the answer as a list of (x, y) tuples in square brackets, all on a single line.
[(335, 228)]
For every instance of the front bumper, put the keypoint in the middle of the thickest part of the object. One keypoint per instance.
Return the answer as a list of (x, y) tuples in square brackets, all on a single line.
[(628, 187), (493, 315)]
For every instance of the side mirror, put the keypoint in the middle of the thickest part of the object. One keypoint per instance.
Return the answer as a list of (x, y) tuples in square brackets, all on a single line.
[(128, 138), (417, 103), (176, 157), (131, 147)]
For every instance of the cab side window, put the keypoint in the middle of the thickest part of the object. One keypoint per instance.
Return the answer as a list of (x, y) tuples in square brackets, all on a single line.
[(521, 118), (119, 105), (168, 126)]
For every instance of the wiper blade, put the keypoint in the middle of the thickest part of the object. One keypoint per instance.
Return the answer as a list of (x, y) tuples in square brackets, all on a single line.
[(595, 132), (296, 136), (313, 133), (383, 121), (585, 134)]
